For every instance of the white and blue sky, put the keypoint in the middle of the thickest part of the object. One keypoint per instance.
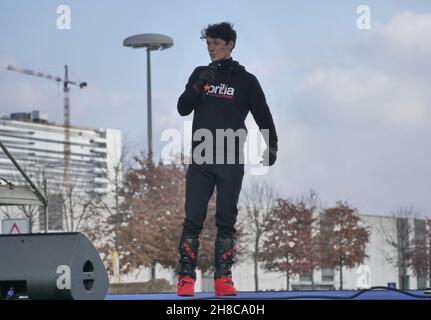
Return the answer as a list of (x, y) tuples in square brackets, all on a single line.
[(352, 107)]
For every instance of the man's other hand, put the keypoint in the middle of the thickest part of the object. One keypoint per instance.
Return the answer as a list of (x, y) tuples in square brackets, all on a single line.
[(269, 156), (207, 76)]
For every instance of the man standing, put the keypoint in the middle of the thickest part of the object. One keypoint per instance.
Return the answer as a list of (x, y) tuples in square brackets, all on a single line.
[(221, 95)]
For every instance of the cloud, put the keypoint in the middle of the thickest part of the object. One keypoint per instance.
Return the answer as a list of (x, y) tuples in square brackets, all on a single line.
[(384, 85), (266, 68), (402, 45), (165, 109), (117, 99), (407, 32), (359, 123), (363, 97)]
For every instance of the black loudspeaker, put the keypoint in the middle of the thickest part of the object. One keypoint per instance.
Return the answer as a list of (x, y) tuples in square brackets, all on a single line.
[(51, 266)]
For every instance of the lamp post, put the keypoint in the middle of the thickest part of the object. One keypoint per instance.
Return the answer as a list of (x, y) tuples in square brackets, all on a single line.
[(150, 41)]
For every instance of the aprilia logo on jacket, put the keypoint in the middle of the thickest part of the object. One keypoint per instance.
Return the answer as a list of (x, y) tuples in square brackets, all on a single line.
[(221, 91)]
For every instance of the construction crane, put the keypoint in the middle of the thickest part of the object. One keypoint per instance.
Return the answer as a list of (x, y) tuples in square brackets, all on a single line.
[(66, 82)]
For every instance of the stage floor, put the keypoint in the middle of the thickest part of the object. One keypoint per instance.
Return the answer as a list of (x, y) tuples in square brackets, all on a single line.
[(378, 294)]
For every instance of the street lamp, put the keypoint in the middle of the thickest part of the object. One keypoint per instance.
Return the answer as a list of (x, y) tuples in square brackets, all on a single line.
[(154, 42)]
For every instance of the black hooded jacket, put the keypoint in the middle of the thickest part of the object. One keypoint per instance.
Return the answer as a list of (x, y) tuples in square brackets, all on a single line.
[(225, 105)]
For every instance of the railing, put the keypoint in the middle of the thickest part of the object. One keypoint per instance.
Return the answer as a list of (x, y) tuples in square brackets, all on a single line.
[(15, 195)]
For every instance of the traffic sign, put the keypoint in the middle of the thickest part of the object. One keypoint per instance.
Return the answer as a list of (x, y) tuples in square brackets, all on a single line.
[(15, 226)]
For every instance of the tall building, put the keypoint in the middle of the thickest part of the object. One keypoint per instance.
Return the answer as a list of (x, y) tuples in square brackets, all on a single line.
[(38, 146)]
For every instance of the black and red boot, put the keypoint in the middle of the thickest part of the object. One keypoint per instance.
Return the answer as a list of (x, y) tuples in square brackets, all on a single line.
[(225, 250), (188, 249)]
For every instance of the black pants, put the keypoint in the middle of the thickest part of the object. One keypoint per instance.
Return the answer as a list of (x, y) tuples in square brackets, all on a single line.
[(200, 182)]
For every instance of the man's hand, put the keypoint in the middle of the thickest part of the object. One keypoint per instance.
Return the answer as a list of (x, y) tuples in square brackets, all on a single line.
[(269, 156), (207, 76)]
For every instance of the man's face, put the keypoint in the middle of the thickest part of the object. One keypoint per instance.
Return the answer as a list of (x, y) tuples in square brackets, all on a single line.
[(218, 49)]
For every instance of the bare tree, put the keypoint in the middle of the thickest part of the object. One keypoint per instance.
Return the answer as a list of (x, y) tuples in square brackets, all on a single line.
[(398, 236), (255, 206), (107, 211), (71, 203), (31, 213), (120, 164), (76, 203)]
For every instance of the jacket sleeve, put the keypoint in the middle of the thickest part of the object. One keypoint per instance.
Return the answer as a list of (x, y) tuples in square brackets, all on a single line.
[(261, 113), (191, 97)]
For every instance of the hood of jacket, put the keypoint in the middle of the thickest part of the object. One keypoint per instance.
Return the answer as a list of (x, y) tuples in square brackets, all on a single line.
[(229, 65)]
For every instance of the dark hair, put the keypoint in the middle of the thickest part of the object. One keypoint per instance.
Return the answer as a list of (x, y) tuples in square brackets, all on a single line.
[(223, 30)]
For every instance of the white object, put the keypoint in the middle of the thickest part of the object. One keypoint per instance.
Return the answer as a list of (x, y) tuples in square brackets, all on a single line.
[(15, 226)]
